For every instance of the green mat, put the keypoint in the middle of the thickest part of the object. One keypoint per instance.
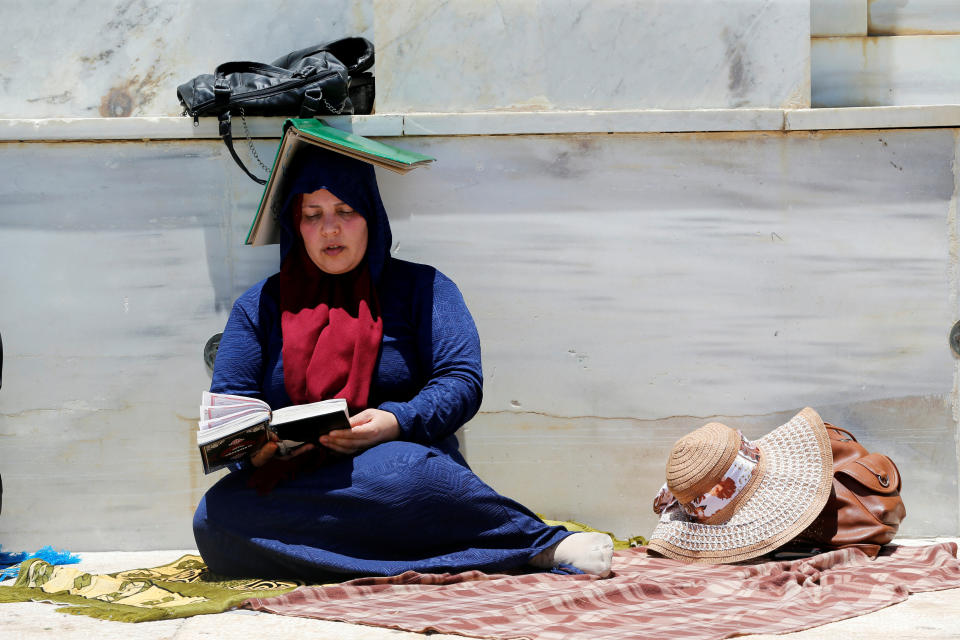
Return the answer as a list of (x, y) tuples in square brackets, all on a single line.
[(177, 590), (618, 543)]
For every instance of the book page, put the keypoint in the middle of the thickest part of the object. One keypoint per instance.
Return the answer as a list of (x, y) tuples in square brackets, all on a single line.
[(210, 399), (218, 409), (240, 412), (301, 411), (214, 433)]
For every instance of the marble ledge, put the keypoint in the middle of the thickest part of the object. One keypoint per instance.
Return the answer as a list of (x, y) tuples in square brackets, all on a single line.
[(890, 117), (565, 122), (175, 128), (497, 123)]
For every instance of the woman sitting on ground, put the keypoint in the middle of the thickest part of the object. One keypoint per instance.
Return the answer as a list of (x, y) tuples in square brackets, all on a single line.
[(344, 319)]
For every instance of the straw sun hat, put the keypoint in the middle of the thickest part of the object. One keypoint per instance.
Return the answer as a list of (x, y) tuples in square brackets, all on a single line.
[(728, 499)]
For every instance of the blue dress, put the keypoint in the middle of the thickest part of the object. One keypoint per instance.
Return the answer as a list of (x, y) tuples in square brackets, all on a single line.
[(410, 504)]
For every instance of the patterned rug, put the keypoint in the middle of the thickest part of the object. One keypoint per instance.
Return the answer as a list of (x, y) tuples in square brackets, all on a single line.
[(176, 590), (647, 597)]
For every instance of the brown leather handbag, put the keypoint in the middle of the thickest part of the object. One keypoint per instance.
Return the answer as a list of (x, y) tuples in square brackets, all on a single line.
[(864, 509)]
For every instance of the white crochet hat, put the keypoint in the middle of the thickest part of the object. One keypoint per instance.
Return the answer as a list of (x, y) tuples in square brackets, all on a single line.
[(727, 499)]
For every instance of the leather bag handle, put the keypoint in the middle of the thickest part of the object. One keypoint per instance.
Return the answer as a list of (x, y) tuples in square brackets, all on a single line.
[(356, 53), (243, 66), (226, 133)]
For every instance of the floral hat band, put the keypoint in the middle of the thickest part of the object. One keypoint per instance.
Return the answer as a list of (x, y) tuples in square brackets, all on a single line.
[(721, 495)]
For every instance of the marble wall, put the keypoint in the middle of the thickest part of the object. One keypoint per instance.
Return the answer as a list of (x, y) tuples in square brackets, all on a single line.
[(884, 52), (913, 17), (126, 57), (115, 58), (591, 54), (120, 58), (871, 71), (628, 288), (883, 17), (661, 282), (838, 18)]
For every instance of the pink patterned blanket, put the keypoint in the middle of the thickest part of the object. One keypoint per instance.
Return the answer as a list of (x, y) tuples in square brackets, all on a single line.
[(647, 597)]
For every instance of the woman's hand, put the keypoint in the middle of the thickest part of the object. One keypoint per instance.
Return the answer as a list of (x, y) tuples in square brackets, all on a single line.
[(268, 452), (367, 428)]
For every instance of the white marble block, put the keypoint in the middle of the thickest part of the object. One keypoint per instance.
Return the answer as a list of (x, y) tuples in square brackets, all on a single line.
[(627, 289), (120, 58), (630, 288), (838, 18), (914, 17), (591, 54), (895, 70)]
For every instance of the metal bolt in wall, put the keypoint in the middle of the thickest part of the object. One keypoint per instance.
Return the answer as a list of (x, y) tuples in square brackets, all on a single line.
[(210, 351)]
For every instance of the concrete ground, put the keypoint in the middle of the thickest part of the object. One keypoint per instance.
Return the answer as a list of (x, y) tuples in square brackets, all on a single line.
[(924, 616)]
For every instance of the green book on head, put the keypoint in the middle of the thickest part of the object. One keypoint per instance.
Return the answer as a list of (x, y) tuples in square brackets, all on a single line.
[(298, 132)]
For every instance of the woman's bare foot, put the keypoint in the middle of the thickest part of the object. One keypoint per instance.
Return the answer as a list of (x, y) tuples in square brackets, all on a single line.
[(590, 552)]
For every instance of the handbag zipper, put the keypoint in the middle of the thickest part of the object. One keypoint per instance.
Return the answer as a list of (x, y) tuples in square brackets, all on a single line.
[(260, 93)]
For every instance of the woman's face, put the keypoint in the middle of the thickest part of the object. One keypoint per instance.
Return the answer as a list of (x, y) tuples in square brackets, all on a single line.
[(334, 235)]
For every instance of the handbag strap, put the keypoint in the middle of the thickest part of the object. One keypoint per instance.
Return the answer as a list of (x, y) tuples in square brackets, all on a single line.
[(221, 86), (240, 66), (355, 53), (313, 102), (227, 134)]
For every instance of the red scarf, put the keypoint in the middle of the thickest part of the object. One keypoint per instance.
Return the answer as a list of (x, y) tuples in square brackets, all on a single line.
[(331, 329)]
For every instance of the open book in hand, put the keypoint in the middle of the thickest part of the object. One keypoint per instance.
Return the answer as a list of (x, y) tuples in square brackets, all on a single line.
[(234, 427)]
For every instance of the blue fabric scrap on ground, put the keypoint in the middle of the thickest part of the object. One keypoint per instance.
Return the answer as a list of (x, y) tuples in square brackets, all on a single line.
[(10, 560)]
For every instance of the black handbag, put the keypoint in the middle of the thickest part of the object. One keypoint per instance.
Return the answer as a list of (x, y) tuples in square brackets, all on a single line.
[(319, 80)]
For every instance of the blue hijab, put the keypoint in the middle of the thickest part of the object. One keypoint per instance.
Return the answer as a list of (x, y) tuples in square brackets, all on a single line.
[(354, 182)]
